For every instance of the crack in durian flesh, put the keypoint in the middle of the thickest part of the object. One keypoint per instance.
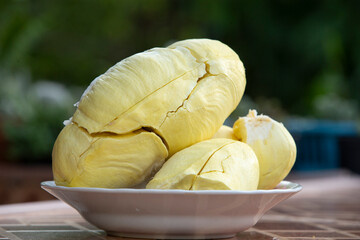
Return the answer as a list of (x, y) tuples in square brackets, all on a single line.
[(167, 115), (99, 135), (207, 74), (147, 96), (202, 168), (222, 166), (93, 138), (94, 141)]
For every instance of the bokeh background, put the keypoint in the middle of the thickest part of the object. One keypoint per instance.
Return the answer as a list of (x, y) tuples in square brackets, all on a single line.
[(302, 61)]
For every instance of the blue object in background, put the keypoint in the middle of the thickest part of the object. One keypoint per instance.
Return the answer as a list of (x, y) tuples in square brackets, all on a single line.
[(317, 142)]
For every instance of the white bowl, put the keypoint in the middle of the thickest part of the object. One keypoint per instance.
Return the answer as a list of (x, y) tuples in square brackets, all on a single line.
[(176, 214)]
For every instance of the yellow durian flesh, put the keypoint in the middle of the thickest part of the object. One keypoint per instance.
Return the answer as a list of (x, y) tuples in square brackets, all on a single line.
[(168, 98), (272, 143), (109, 160), (215, 164), (225, 132), (192, 85)]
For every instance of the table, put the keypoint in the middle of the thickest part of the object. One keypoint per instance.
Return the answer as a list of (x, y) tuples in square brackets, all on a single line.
[(327, 208)]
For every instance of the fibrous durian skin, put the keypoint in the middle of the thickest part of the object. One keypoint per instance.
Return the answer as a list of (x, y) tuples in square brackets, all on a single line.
[(181, 94), (215, 164), (272, 143)]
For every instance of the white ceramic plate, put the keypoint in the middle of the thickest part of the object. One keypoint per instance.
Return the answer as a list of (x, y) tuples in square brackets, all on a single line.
[(145, 213)]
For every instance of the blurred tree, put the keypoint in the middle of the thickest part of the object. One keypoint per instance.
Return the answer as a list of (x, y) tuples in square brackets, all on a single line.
[(295, 51), (31, 115), (301, 57)]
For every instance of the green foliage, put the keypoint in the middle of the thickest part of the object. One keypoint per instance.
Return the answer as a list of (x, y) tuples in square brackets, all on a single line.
[(301, 57), (31, 115), (293, 50)]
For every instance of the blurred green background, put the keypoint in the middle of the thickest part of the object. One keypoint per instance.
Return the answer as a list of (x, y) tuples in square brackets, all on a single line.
[(302, 58)]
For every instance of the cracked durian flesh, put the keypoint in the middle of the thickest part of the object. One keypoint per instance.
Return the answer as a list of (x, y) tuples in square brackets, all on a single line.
[(272, 143), (192, 85), (161, 101), (106, 159), (215, 164)]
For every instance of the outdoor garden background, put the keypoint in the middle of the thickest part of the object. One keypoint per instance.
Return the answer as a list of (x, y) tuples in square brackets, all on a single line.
[(302, 61)]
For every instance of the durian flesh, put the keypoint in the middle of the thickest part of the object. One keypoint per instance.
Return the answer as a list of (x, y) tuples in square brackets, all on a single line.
[(225, 132), (272, 143), (215, 164), (146, 108), (106, 159)]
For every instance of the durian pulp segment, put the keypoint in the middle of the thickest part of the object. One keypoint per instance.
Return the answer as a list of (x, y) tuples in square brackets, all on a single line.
[(114, 161), (277, 161), (128, 83), (233, 167), (225, 132), (216, 164), (180, 171), (273, 145), (184, 86)]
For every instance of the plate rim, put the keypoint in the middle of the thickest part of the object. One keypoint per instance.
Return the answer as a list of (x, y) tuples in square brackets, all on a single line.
[(291, 187)]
